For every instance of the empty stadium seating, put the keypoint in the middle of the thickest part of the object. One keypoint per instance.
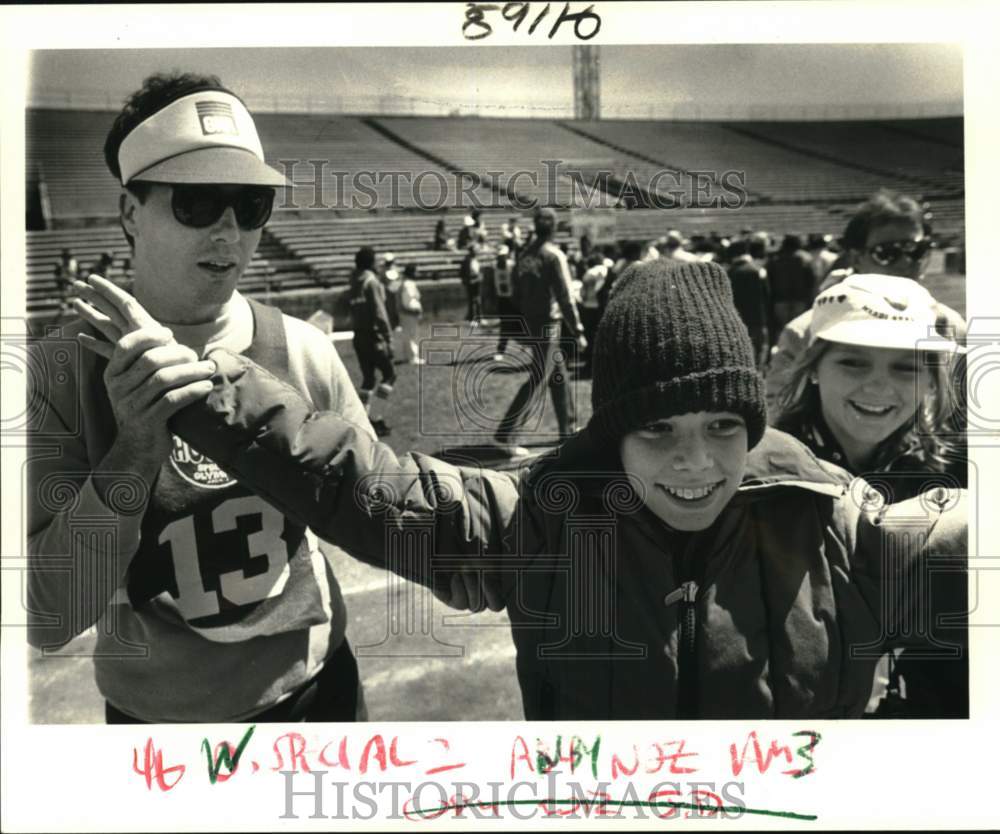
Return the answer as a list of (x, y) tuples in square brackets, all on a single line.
[(933, 168)]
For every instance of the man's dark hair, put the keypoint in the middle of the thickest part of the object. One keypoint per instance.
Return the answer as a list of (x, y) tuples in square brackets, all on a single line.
[(365, 258), (882, 208), (791, 243), (632, 250), (738, 247), (757, 248), (156, 92), (816, 242)]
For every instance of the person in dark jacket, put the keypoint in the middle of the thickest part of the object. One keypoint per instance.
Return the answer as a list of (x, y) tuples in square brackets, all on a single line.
[(790, 275), (872, 393), (471, 273), (675, 559), (372, 341), (503, 289), (748, 280), (66, 272), (441, 241), (543, 295)]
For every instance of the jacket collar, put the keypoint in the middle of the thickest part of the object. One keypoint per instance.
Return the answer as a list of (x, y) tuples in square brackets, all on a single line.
[(781, 460), (817, 436)]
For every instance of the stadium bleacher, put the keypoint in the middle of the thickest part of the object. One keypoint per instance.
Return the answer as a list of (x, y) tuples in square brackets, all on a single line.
[(773, 173), (800, 176), (933, 168), (508, 146)]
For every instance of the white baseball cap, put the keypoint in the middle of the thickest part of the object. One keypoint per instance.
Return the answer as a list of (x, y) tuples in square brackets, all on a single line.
[(207, 137), (882, 311)]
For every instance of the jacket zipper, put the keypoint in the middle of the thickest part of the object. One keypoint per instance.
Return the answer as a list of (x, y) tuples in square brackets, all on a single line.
[(687, 682)]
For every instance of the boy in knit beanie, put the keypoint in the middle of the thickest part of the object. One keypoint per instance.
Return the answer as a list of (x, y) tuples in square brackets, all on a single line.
[(673, 560), (674, 376)]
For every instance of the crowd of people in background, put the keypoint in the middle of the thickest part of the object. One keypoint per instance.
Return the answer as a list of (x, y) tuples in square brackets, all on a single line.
[(774, 279)]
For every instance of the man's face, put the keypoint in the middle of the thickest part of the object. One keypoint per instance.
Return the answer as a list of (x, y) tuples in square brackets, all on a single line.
[(688, 467), (184, 275), (901, 231)]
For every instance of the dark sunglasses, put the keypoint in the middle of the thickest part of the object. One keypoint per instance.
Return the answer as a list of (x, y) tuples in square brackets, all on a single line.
[(891, 251), (200, 206)]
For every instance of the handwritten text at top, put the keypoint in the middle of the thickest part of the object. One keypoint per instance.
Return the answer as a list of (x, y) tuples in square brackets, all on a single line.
[(586, 23)]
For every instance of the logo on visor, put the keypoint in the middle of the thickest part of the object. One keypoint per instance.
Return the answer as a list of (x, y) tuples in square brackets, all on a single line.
[(216, 117)]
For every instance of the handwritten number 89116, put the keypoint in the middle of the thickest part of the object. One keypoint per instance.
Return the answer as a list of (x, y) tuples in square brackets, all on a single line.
[(476, 28)]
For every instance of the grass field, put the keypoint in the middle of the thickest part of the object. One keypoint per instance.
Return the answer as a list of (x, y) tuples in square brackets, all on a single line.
[(465, 670)]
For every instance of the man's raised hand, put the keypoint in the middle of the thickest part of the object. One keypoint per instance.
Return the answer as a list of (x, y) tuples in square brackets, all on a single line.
[(149, 376)]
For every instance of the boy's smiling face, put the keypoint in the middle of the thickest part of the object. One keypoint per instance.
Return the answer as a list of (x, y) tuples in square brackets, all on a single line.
[(688, 466)]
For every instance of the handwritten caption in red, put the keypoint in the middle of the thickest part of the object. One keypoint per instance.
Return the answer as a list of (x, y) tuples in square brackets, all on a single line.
[(378, 754), (291, 752)]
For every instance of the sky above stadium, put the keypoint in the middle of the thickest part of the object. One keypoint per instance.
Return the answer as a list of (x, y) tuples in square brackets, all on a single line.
[(682, 81)]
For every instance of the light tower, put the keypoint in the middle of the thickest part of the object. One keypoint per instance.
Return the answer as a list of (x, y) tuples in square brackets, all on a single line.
[(586, 82)]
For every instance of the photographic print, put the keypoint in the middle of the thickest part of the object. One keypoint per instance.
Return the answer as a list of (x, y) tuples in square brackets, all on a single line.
[(504, 412)]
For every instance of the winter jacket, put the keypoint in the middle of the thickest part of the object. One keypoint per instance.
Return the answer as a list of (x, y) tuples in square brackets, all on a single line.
[(542, 287), (369, 315), (756, 618), (935, 685)]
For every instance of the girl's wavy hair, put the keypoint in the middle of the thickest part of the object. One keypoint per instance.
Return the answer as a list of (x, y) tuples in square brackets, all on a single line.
[(800, 398)]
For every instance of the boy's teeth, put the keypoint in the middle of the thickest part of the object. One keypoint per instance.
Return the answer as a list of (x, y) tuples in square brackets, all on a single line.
[(691, 494)]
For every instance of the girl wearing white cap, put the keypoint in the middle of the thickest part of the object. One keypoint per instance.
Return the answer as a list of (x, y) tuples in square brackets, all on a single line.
[(872, 391), (872, 394)]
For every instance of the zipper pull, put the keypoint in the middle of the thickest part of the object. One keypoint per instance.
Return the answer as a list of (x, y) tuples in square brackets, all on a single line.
[(674, 596), (686, 592)]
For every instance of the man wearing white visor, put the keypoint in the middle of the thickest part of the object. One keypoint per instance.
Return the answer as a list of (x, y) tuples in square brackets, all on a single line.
[(213, 606)]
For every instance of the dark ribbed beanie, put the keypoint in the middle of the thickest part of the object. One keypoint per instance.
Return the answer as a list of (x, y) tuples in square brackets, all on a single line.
[(671, 342)]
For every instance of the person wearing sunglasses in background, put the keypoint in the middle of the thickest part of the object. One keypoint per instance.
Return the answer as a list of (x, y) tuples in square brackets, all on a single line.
[(211, 605), (886, 236)]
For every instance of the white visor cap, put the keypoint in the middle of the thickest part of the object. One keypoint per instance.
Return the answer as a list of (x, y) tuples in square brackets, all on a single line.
[(882, 311), (207, 137)]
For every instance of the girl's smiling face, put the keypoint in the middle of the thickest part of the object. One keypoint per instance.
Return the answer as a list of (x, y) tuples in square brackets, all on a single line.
[(868, 393), (688, 466)]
